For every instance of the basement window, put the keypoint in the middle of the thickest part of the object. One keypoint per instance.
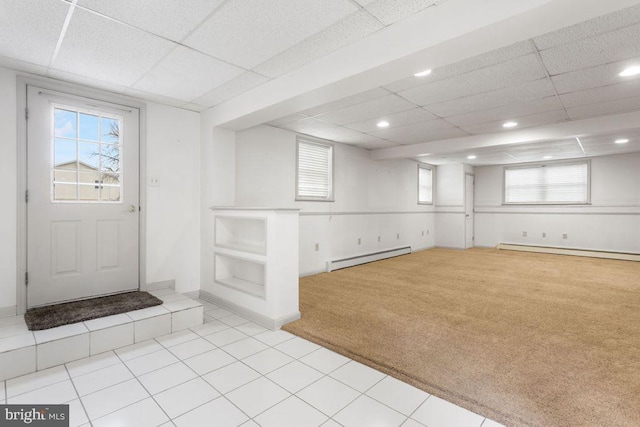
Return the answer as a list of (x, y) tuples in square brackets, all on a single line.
[(425, 185), (558, 183), (314, 171)]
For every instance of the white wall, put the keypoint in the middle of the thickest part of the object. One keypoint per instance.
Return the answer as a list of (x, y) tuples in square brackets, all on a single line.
[(371, 198), (611, 222), (173, 208), (218, 175), (8, 188)]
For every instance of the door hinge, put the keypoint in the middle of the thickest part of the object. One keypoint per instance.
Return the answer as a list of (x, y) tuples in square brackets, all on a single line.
[(26, 278), (26, 196), (26, 114)]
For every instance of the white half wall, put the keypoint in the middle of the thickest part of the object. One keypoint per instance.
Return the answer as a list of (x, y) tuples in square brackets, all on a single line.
[(610, 223), (173, 208), (372, 198)]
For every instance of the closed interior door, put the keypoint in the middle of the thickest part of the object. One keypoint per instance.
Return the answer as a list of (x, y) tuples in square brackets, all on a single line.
[(468, 211), (83, 198)]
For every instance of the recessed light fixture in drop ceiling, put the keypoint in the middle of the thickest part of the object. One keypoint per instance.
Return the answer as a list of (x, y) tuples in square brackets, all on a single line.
[(471, 157), (509, 125), (621, 141), (383, 124), (630, 71), (422, 73)]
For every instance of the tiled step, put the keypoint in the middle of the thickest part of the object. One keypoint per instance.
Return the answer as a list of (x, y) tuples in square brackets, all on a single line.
[(23, 351)]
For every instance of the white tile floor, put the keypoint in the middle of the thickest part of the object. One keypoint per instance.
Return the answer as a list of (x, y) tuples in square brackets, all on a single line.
[(231, 372)]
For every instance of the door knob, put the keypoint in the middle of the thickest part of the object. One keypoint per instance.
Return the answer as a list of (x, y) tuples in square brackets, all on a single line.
[(132, 208)]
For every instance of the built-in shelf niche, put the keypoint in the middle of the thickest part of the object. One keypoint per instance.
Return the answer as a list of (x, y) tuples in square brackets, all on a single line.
[(241, 233), (244, 275)]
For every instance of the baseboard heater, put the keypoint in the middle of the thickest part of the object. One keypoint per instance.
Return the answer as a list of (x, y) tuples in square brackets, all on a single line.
[(569, 251), (363, 259)]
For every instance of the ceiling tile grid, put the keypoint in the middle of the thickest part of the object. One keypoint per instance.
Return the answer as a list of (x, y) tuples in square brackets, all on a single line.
[(172, 19), (346, 31), (402, 118), (540, 119), (390, 11), (626, 89), (29, 30), (234, 87), (604, 108), (93, 47), (588, 78), (507, 112), (509, 73), (366, 110), (248, 32), (358, 98), (613, 46), (167, 78)]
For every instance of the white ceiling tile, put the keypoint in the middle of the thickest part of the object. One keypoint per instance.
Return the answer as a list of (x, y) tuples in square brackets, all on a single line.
[(390, 11), (29, 30), (248, 32), (397, 119), (234, 87), (363, 138), (435, 135), (635, 11), (507, 112), (612, 92), (540, 88), (86, 81), (172, 19), (344, 32), (376, 145), (169, 77), (417, 132), (609, 47), (541, 119), (93, 46), (590, 28), (513, 72), (600, 75), (358, 98), (465, 66), (321, 129), (287, 119), (367, 110), (604, 108)]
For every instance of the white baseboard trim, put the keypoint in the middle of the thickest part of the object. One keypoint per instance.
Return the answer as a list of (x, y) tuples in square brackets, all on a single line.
[(9, 311), (569, 251), (365, 258), (261, 320), (192, 294), (155, 286), (458, 248)]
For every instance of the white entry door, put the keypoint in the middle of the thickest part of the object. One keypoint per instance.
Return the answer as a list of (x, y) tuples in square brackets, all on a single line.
[(468, 211), (83, 201)]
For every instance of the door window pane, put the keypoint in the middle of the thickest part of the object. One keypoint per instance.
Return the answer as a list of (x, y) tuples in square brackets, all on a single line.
[(89, 127), (87, 156)]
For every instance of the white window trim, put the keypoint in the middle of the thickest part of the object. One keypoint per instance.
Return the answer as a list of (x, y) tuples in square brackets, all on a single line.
[(541, 164), (310, 140), (430, 168)]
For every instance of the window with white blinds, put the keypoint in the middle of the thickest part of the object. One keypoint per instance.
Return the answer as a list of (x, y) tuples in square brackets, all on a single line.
[(425, 185), (554, 183), (314, 171)]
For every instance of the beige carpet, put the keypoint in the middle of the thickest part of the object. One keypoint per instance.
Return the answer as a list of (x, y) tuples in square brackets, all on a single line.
[(522, 338)]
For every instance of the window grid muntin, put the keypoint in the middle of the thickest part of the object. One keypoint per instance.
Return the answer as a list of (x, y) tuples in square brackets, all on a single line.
[(100, 142)]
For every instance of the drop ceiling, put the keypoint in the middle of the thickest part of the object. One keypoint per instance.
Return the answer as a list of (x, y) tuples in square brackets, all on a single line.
[(210, 55)]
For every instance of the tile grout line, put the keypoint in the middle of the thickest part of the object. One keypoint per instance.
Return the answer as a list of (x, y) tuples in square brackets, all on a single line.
[(77, 394)]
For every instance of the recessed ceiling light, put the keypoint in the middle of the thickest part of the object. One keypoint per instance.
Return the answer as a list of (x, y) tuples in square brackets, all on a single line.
[(621, 141), (510, 124), (383, 124), (548, 157), (423, 73), (471, 157), (631, 71)]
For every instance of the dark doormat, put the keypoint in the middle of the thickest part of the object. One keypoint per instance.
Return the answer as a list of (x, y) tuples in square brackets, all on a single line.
[(78, 311)]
